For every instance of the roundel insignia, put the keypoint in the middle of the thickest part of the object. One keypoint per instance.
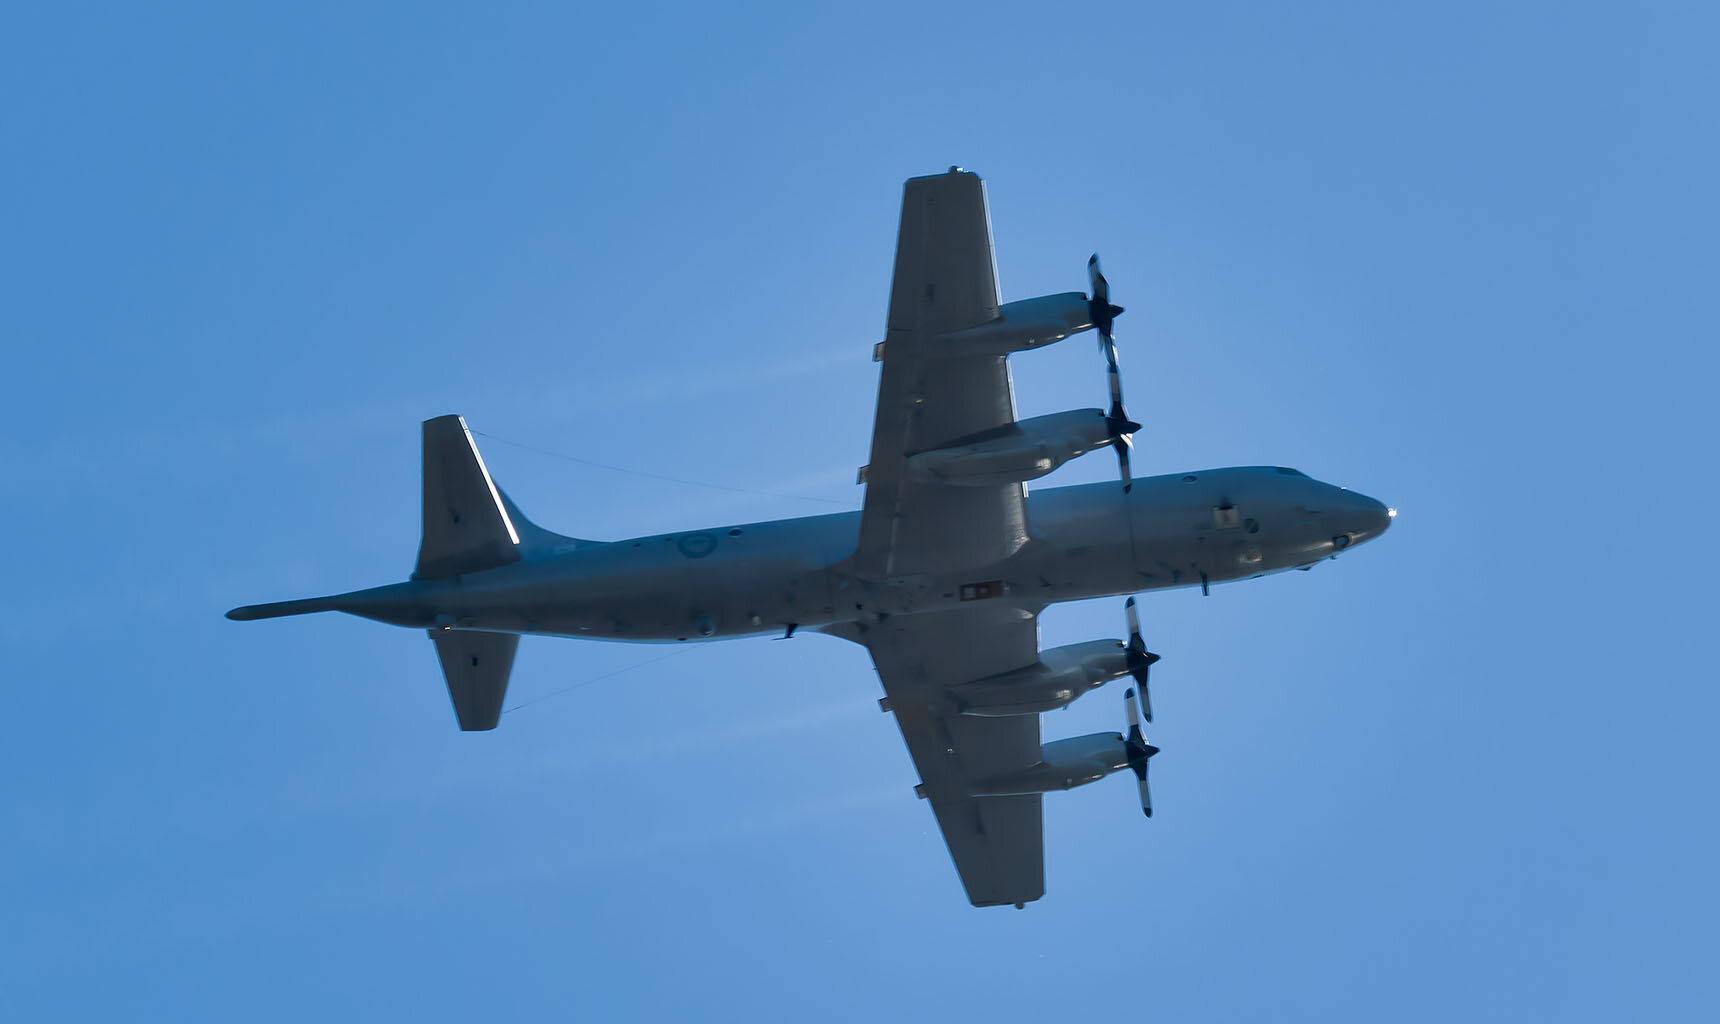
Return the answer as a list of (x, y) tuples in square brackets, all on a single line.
[(697, 545)]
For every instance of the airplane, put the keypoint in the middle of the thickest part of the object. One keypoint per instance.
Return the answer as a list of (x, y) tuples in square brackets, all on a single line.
[(941, 574)]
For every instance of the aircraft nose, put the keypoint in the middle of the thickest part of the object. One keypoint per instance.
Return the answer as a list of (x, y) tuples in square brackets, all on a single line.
[(1379, 518), (1357, 518), (1369, 518)]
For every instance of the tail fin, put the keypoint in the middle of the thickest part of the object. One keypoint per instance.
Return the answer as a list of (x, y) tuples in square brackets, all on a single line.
[(466, 526)]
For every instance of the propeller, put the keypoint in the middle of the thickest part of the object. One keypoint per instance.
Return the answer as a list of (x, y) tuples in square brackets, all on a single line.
[(1103, 315), (1140, 660), (1139, 752)]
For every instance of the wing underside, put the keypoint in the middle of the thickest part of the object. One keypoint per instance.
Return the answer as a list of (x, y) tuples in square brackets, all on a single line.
[(929, 395), (945, 280), (996, 841)]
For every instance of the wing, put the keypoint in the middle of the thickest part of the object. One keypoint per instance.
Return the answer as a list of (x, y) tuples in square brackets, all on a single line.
[(945, 281), (997, 842)]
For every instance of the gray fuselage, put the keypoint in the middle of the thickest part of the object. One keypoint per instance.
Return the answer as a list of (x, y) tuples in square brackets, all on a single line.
[(1087, 541)]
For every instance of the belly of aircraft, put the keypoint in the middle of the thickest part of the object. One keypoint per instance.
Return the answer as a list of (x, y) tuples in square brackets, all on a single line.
[(1086, 542)]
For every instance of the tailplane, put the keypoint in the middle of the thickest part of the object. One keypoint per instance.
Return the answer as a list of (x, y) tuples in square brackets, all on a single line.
[(470, 526), (477, 666)]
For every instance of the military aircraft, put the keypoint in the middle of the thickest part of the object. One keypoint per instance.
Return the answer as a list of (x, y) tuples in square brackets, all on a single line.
[(941, 575)]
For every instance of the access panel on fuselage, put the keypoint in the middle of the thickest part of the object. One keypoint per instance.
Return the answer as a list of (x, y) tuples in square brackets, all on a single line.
[(1197, 525)]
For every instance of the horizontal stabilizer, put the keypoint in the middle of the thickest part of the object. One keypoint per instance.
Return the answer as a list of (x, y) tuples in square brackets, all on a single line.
[(477, 665), (466, 527)]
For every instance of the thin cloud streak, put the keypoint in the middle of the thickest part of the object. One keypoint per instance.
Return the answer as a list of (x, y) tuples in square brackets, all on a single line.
[(191, 444)]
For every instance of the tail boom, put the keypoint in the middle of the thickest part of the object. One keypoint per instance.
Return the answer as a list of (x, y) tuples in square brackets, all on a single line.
[(398, 604)]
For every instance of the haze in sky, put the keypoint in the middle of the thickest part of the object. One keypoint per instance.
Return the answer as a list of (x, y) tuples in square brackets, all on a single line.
[(1461, 259)]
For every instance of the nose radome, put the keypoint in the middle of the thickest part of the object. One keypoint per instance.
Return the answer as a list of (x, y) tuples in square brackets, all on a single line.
[(1372, 518)]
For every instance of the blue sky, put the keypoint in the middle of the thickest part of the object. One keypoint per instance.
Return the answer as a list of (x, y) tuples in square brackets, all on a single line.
[(1461, 259)]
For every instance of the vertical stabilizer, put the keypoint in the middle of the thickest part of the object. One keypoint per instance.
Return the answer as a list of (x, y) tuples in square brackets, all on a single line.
[(466, 526), (477, 665)]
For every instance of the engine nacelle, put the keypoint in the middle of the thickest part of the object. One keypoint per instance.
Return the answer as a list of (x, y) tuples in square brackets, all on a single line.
[(1013, 453), (1061, 675), (1021, 325), (1063, 764)]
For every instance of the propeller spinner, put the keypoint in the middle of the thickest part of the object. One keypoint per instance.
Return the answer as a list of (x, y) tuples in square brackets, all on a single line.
[(1139, 752), (1103, 315)]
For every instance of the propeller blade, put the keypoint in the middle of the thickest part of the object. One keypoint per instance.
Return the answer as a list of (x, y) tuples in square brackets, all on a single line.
[(1099, 305), (1140, 660), (1103, 315), (1138, 751), (1117, 422), (1096, 281)]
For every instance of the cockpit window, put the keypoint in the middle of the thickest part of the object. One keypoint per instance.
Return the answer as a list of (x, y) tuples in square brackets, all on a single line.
[(1287, 471)]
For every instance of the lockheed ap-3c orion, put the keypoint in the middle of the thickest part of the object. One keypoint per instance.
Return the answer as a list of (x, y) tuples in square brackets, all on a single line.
[(941, 575)]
